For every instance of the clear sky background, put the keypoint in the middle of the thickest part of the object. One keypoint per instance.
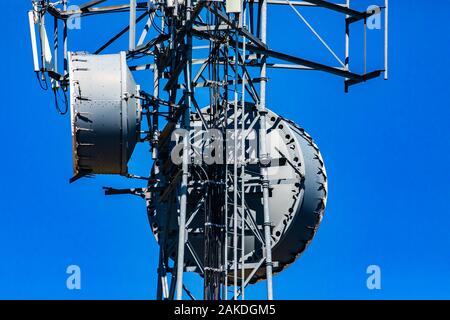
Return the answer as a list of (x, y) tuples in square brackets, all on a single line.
[(386, 147)]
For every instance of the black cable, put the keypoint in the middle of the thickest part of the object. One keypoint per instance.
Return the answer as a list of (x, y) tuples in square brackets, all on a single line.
[(66, 102), (155, 26), (42, 82)]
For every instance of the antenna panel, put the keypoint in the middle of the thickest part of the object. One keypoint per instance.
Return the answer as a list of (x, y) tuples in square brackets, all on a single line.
[(105, 113)]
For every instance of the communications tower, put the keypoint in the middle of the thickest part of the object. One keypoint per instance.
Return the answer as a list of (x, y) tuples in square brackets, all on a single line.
[(236, 192)]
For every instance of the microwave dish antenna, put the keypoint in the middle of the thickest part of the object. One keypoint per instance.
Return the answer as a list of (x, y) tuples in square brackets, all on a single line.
[(236, 221)]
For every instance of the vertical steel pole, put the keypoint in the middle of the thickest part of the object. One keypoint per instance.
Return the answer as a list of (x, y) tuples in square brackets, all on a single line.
[(182, 217), (55, 49), (386, 40), (155, 129), (226, 180), (162, 292), (173, 62), (163, 287), (264, 157), (42, 40), (225, 291), (132, 43), (65, 32), (159, 286), (365, 46), (243, 24), (235, 167), (347, 40), (186, 125)]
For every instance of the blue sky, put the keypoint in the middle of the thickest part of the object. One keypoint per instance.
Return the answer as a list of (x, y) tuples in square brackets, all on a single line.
[(386, 147)]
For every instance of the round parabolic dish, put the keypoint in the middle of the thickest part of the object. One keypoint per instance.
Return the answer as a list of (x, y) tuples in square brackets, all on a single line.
[(297, 199)]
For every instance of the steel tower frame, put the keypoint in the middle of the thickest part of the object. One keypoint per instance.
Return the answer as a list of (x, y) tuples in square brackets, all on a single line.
[(233, 67)]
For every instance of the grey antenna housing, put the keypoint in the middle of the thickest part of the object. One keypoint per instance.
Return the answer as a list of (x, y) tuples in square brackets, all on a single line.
[(297, 200), (105, 113)]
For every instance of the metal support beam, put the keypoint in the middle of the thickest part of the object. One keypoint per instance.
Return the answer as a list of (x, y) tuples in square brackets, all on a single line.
[(55, 50), (307, 63), (295, 60), (132, 44), (356, 15), (185, 167), (364, 78), (90, 4), (65, 34), (347, 41), (386, 39), (263, 157), (235, 26), (243, 155), (120, 34), (43, 39), (235, 166)]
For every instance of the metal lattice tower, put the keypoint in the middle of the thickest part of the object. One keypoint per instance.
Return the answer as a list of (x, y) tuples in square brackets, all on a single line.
[(206, 65)]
